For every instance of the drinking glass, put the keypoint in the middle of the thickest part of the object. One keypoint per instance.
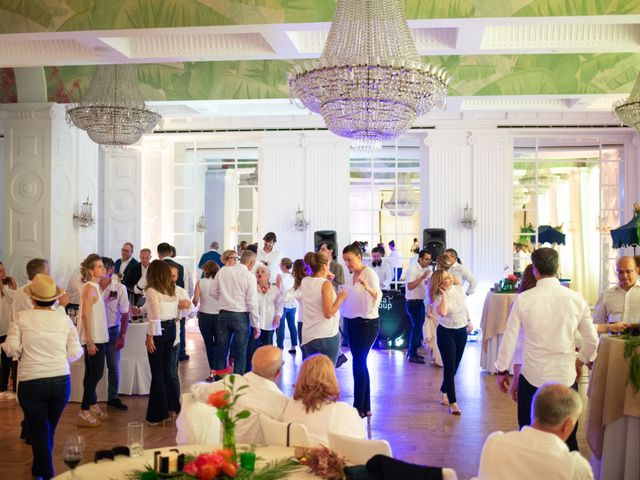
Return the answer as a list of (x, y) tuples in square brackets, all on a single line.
[(72, 452), (135, 438)]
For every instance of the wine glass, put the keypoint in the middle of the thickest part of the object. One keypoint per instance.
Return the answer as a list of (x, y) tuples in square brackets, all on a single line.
[(72, 452)]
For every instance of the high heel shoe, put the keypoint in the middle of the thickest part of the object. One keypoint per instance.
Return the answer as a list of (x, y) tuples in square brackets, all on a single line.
[(454, 409), (444, 400)]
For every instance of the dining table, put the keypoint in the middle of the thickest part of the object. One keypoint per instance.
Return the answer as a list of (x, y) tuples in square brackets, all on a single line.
[(493, 323), (613, 423), (122, 465)]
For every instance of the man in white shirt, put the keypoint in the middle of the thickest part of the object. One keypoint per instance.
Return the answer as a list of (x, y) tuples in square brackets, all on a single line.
[(124, 266), (382, 268), (520, 259), (416, 291), (395, 262), (619, 306), (116, 303), (461, 272), (538, 451), (236, 290), (262, 397), (270, 256), (550, 315)]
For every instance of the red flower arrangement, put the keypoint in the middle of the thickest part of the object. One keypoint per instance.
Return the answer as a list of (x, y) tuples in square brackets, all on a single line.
[(208, 466)]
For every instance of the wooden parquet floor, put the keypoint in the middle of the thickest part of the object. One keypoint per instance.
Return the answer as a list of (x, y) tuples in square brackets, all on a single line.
[(405, 405)]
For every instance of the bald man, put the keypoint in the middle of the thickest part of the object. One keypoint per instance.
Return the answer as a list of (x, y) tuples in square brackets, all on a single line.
[(262, 396), (619, 306)]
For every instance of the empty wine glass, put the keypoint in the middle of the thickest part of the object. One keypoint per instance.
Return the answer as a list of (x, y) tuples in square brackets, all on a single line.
[(72, 452)]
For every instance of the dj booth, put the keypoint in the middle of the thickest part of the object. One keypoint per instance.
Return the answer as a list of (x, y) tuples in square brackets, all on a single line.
[(395, 324)]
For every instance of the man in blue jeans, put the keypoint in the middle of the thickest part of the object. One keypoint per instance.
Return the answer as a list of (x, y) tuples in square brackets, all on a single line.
[(236, 290), (416, 291)]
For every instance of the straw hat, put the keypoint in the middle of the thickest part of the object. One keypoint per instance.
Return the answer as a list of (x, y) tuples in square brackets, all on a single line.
[(43, 289)]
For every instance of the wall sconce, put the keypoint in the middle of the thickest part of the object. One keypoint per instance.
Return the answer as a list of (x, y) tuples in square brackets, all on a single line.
[(301, 223), (85, 217), (201, 226), (602, 225), (467, 218)]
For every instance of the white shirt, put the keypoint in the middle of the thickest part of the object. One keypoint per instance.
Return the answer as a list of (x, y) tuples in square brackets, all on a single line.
[(287, 282), (549, 315), (142, 283), (45, 341), (420, 292), (206, 303), (74, 287), (235, 289), (182, 294), (123, 265), (464, 275), (336, 417), (97, 318), (117, 304), (457, 314), (384, 273), (262, 396), (272, 261), (520, 261), (394, 259), (359, 303), (530, 454), (269, 305), (618, 305), (6, 304), (316, 325), (21, 301)]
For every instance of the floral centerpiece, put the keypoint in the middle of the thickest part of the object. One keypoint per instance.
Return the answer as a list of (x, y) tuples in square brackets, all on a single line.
[(508, 284), (322, 461)]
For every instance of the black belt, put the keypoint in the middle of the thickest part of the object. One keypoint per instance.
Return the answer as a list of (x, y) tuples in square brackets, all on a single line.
[(416, 300), (167, 323)]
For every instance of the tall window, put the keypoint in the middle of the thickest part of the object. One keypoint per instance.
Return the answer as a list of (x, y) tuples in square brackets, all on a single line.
[(384, 195)]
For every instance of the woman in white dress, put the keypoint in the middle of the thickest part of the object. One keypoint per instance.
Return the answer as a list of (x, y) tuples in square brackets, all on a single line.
[(449, 304), (315, 403)]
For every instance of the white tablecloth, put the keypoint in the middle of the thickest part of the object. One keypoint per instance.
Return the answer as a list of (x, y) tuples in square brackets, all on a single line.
[(117, 468), (620, 459), (135, 374)]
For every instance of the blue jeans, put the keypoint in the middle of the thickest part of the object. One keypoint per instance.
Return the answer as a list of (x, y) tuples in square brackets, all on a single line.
[(113, 363), (162, 394), (288, 317), (328, 346), (232, 327), (361, 333), (207, 325), (416, 312), (93, 371), (43, 401), (451, 343)]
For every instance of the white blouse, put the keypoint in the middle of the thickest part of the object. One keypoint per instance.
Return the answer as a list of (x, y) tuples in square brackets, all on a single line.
[(359, 303), (269, 305), (207, 303), (457, 314), (6, 304), (160, 307), (286, 285), (316, 325)]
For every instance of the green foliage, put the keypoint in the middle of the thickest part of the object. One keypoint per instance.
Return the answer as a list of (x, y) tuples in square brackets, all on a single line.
[(570, 8), (632, 353)]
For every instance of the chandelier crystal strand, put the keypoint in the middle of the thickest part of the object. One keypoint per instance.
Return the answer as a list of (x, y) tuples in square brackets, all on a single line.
[(113, 112), (369, 84), (628, 110)]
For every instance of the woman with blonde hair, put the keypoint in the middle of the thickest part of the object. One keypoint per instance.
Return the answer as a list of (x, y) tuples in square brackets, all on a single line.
[(229, 258), (449, 304), (208, 310), (315, 402), (321, 309), (162, 309), (94, 336)]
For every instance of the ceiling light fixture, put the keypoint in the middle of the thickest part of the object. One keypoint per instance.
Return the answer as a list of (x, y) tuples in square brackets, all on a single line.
[(628, 110)]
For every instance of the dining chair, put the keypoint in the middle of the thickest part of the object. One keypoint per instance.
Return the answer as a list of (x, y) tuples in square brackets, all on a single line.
[(358, 450), (197, 423), (283, 434)]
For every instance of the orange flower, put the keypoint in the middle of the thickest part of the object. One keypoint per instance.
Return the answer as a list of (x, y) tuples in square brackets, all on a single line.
[(219, 399)]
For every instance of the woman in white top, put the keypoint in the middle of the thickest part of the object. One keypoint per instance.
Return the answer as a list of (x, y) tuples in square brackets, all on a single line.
[(94, 336), (8, 288), (315, 403), (208, 310), (45, 340), (285, 282), (321, 305), (298, 272), (360, 312), (449, 304), (162, 308)]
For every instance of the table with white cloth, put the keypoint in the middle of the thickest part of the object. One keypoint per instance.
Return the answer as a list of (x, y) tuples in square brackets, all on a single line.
[(117, 468), (135, 373), (493, 323), (613, 425)]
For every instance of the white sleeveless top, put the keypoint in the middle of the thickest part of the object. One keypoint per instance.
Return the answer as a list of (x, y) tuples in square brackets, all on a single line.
[(207, 304), (315, 323), (97, 318), (287, 284)]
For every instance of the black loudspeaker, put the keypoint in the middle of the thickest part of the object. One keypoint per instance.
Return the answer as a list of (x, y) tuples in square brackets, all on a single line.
[(435, 241), (395, 324), (324, 236)]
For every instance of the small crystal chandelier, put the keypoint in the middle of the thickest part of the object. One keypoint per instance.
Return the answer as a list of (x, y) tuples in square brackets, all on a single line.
[(628, 111), (468, 221), (85, 217), (113, 112), (369, 84), (602, 225), (201, 226), (301, 224), (537, 182), (403, 202)]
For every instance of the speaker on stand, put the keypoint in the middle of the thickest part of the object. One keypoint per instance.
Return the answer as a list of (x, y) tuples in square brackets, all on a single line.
[(435, 241), (324, 236)]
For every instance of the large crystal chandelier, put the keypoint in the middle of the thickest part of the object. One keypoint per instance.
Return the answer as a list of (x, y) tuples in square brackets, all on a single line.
[(628, 110), (113, 112), (369, 84)]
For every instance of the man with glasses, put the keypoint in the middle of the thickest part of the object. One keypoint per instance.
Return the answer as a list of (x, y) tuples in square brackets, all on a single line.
[(124, 267), (619, 306)]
